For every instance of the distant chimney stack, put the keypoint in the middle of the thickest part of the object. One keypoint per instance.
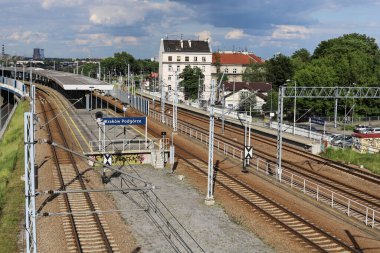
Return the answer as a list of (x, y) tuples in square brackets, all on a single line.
[(189, 43), (181, 43)]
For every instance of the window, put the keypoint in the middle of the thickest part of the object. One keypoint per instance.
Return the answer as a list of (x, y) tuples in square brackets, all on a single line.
[(186, 58), (234, 71), (178, 68), (195, 58), (169, 77), (226, 70), (203, 58), (170, 68), (178, 58), (203, 68), (169, 87), (170, 58)]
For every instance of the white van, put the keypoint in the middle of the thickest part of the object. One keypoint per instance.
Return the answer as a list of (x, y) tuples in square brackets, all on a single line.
[(375, 130)]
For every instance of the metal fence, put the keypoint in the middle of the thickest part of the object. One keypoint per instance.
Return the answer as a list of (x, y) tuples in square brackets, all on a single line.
[(352, 208), (126, 145)]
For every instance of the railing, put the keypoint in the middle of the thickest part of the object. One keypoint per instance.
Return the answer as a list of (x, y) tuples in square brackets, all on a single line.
[(14, 85), (335, 200), (352, 208), (126, 145)]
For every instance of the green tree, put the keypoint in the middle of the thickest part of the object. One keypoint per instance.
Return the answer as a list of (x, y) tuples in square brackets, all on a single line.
[(255, 72), (300, 58), (247, 100), (278, 70), (190, 81)]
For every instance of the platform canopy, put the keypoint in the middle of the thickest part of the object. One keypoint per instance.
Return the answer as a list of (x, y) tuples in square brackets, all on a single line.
[(70, 81)]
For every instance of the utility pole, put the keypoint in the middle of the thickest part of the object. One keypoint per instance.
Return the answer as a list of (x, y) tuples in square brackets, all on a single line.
[(162, 102), (295, 111), (175, 102), (210, 171), (279, 132)]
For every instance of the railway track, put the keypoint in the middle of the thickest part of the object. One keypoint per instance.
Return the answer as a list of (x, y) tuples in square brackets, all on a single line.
[(313, 238), (85, 229), (350, 200), (365, 175)]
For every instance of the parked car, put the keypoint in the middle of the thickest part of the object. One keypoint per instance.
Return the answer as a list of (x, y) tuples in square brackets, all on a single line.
[(331, 137), (362, 129), (347, 142), (343, 141), (338, 139), (375, 130)]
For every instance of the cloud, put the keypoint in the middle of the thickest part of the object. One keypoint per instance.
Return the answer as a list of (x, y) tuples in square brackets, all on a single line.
[(27, 37), (47, 4), (105, 40), (114, 13), (236, 34), (204, 35), (290, 32)]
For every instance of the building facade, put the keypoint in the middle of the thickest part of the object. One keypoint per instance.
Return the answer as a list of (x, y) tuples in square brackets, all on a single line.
[(38, 54), (175, 55), (233, 64)]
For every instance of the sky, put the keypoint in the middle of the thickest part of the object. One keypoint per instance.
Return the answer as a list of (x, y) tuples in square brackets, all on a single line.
[(99, 28)]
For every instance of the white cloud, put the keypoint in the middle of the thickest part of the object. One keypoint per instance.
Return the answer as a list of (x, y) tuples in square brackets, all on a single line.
[(127, 12), (236, 34), (204, 35), (27, 37), (105, 40), (47, 4), (291, 32)]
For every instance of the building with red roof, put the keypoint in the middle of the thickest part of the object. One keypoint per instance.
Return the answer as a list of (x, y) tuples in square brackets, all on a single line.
[(233, 64)]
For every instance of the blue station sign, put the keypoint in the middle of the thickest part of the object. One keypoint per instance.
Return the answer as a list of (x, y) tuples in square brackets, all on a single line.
[(317, 121), (125, 121)]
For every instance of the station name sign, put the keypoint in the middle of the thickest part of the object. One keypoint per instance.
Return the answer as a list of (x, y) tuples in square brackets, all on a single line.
[(317, 121), (125, 121)]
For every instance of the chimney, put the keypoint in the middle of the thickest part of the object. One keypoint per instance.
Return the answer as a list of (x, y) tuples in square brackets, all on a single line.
[(189, 43), (181, 43)]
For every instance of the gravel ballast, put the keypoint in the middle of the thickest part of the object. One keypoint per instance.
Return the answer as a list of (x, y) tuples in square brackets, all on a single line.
[(208, 225)]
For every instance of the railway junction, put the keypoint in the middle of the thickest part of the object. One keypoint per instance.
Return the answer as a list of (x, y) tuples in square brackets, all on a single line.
[(132, 188)]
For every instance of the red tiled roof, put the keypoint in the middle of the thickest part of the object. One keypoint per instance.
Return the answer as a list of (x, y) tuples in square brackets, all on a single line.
[(236, 58)]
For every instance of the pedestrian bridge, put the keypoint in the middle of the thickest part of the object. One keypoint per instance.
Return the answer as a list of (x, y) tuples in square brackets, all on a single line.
[(11, 85)]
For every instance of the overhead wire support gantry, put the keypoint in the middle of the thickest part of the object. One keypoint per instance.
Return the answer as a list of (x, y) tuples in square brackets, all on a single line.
[(316, 92)]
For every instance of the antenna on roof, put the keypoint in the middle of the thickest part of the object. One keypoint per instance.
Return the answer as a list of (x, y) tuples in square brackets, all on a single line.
[(181, 36)]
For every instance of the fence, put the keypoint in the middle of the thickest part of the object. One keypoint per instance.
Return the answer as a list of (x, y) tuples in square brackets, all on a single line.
[(351, 207), (126, 145)]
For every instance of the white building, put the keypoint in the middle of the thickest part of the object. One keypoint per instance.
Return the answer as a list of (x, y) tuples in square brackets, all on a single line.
[(175, 55), (233, 64), (233, 92)]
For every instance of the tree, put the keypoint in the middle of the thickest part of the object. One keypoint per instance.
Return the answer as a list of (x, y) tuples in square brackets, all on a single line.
[(255, 72), (300, 58), (278, 70), (192, 78), (247, 100)]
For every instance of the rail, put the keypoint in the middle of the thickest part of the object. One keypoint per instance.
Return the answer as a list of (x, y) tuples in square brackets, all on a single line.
[(352, 208)]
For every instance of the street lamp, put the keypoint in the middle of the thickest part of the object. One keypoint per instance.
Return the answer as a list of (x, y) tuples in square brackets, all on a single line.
[(91, 87), (295, 105)]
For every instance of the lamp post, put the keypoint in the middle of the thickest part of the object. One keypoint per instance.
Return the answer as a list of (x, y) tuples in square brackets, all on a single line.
[(91, 87), (295, 106)]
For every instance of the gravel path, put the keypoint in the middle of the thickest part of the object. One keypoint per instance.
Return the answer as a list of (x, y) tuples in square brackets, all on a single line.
[(209, 225)]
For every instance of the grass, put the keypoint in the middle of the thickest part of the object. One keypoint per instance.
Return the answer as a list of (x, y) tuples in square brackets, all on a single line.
[(11, 187), (369, 161)]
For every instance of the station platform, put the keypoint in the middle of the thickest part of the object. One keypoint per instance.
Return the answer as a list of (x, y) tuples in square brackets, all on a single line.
[(120, 144)]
